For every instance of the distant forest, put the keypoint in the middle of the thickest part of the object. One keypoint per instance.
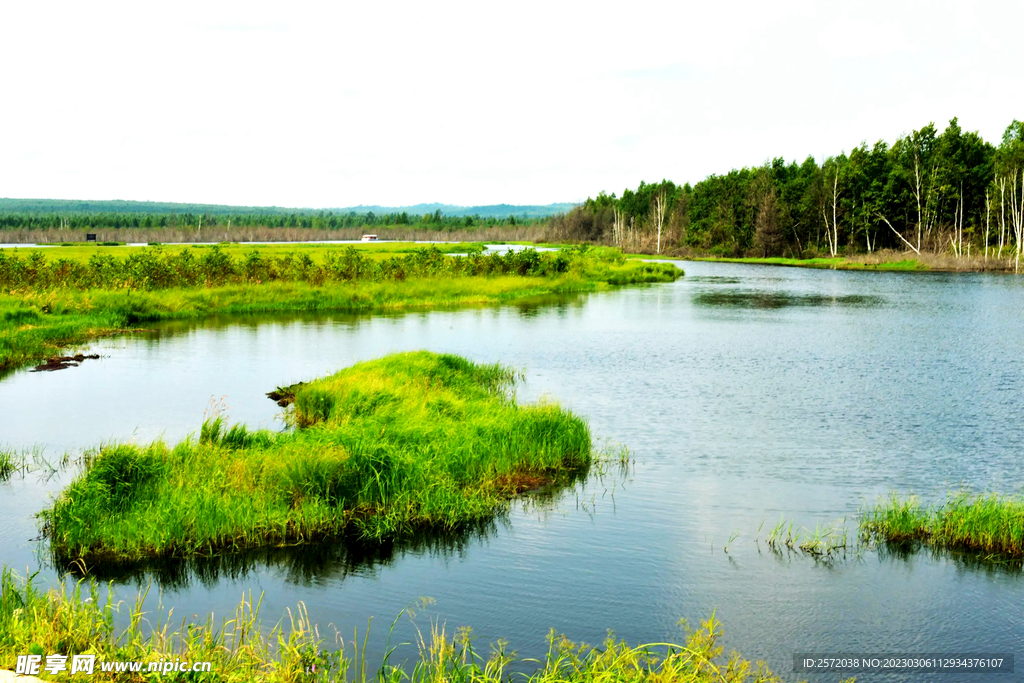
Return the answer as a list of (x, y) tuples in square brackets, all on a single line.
[(319, 220), (947, 192), (46, 214), (928, 192)]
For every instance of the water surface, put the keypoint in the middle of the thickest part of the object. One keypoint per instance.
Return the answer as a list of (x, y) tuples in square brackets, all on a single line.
[(745, 393)]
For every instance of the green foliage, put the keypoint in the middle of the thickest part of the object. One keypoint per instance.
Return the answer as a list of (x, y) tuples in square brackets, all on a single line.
[(155, 268), (10, 462), (381, 448), (126, 473), (80, 620), (21, 316), (85, 216), (924, 186), (991, 523)]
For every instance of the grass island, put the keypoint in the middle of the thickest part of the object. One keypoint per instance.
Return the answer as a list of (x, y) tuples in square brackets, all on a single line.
[(386, 446)]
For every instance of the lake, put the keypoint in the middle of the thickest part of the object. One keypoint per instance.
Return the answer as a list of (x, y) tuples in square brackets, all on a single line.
[(745, 393)]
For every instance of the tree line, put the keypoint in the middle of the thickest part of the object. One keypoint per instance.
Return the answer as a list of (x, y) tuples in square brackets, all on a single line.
[(948, 191), (319, 220)]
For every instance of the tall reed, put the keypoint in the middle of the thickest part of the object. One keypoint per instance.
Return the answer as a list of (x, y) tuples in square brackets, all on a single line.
[(76, 620)]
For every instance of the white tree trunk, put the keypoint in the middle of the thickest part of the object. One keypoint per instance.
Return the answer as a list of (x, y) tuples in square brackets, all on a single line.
[(832, 232), (917, 196), (1002, 216), (897, 233), (659, 214), (1017, 215), (988, 217), (835, 220)]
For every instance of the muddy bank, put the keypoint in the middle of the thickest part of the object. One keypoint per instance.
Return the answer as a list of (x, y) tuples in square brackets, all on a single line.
[(61, 362)]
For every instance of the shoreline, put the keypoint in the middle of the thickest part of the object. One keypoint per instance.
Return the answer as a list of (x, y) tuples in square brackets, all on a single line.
[(49, 308), (903, 262)]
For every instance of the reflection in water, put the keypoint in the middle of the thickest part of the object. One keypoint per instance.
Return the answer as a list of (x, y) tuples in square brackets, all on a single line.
[(767, 299), (300, 564), (713, 280), (561, 304), (908, 552), (313, 562), (527, 308)]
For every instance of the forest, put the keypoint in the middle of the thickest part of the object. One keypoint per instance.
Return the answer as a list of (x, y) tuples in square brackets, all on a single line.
[(49, 217), (929, 191), (947, 193)]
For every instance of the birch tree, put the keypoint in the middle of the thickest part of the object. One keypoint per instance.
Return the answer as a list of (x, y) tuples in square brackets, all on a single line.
[(1017, 215), (1002, 215), (659, 204), (618, 227), (832, 230), (988, 218)]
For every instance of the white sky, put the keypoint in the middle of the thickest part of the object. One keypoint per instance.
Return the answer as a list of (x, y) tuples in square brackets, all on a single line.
[(337, 104)]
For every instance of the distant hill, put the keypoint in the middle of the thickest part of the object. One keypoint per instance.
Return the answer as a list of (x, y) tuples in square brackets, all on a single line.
[(87, 206), (80, 206)]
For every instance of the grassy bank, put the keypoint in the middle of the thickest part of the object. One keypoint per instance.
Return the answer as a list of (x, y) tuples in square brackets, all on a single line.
[(892, 261), (48, 303), (82, 252), (382, 448), (989, 524), (839, 263), (77, 621)]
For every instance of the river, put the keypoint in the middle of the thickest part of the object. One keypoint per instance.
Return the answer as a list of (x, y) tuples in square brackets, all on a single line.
[(745, 393)]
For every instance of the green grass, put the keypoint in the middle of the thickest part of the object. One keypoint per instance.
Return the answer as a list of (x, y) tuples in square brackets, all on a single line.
[(408, 441), (822, 542), (839, 263), (79, 620), (83, 251), (10, 462), (990, 524), (42, 312)]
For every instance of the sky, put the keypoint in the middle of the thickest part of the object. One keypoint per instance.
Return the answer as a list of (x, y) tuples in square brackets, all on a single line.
[(331, 104)]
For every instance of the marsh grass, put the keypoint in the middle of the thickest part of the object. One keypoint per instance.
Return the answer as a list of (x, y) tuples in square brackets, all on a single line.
[(990, 524), (32, 460), (10, 462), (824, 542), (825, 539), (380, 449), (78, 620), (156, 268), (453, 658)]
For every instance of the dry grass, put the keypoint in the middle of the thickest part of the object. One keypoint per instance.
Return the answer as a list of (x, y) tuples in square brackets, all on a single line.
[(942, 261)]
